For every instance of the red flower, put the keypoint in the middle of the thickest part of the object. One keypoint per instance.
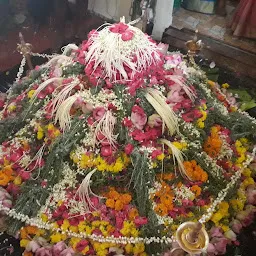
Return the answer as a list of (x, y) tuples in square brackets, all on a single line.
[(106, 151), (98, 113), (156, 153), (139, 221), (81, 245), (127, 122), (128, 149), (138, 117)]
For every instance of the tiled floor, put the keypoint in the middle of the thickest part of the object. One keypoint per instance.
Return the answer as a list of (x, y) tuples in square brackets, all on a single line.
[(212, 26)]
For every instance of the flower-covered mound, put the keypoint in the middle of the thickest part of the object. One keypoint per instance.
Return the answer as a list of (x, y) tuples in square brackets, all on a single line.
[(110, 160)]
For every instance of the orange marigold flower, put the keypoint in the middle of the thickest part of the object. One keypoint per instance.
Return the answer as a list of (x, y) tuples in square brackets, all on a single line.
[(161, 209), (125, 198), (31, 230), (167, 200), (27, 253), (113, 194), (195, 172), (196, 189), (133, 213), (4, 179), (110, 203), (119, 205)]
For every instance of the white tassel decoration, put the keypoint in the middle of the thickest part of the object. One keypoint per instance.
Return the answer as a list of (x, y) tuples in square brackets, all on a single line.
[(112, 53), (158, 102), (43, 85), (177, 156), (105, 126), (59, 59), (84, 192), (63, 112), (69, 47), (63, 95)]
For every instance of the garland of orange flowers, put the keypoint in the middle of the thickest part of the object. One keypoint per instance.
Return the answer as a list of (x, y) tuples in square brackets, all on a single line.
[(117, 200), (213, 143), (194, 171)]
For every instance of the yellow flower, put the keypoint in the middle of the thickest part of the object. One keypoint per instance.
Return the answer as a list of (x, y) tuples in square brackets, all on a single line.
[(31, 93), (55, 238), (24, 242), (40, 132), (160, 157), (200, 124), (81, 226), (73, 229), (44, 217), (74, 241), (128, 248), (138, 248), (225, 86), (224, 228), (247, 172), (247, 182), (17, 180), (65, 225), (11, 107), (216, 217), (237, 205)]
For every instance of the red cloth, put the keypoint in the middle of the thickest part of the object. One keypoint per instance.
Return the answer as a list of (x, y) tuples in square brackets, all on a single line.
[(244, 20)]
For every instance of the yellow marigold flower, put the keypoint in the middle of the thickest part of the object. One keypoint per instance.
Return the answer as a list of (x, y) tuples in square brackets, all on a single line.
[(73, 229), (247, 182), (74, 241), (17, 180), (216, 217), (211, 83), (31, 93), (237, 205), (24, 242), (65, 225), (55, 238), (224, 228), (244, 140), (247, 172), (55, 225), (129, 248), (225, 86), (40, 132), (160, 157), (102, 253), (81, 226), (11, 107), (138, 248), (200, 124), (44, 217)]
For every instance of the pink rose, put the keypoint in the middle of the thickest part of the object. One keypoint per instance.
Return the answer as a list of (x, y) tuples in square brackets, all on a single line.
[(98, 113), (32, 246), (221, 246), (128, 149), (251, 195), (67, 252), (106, 151), (58, 248), (216, 232), (139, 221), (155, 121), (211, 249), (138, 117), (43, 251)]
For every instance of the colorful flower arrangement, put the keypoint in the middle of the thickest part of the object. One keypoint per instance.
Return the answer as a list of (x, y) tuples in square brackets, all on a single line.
[(110, 147)]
